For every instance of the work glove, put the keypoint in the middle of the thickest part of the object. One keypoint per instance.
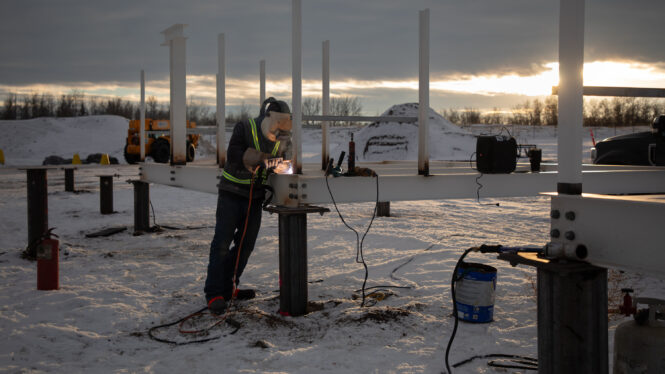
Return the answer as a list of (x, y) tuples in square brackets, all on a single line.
[(253, 158)]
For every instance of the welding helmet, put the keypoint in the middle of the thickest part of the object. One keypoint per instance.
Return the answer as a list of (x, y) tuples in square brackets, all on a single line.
[(276, 123)]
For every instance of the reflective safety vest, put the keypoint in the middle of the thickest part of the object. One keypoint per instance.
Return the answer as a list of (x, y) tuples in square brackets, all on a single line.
[(238, 173)]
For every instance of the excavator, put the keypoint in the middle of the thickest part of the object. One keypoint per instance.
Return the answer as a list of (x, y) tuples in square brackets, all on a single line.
[(156, 146)]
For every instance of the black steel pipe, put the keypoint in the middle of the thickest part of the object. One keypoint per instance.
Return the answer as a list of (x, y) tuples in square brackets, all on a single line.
[(37, 208), (106, 194), (69, 180), (141, 206)]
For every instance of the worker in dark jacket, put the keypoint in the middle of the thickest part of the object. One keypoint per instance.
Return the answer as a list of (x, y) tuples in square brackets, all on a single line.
[(253, 142)]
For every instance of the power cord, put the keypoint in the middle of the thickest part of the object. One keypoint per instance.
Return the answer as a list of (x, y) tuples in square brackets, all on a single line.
[(359, 242)]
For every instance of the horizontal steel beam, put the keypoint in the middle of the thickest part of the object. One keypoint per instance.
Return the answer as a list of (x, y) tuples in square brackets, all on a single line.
[(207, 130), (618, 91), (611, 231), (360, 119), (451, 181)]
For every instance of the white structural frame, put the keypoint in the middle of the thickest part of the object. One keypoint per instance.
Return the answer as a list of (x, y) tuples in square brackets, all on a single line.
[(262, 82), (142, 138), (449, 180), (221, 101), (325, 103), (175, 39)]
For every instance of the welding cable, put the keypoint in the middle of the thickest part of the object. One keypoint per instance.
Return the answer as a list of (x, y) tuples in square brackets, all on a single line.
[(359, 242), (181, 322), (514, 361), (454, 279)]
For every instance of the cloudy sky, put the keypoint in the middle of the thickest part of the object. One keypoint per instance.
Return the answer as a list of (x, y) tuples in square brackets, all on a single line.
[(484, 53)]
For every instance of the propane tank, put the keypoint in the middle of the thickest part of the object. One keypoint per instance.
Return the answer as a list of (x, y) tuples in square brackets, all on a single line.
[(639, 344)]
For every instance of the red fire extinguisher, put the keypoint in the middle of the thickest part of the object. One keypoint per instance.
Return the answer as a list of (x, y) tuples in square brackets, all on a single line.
[(47, 262)]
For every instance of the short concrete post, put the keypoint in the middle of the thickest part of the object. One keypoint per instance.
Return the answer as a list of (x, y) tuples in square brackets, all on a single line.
[(37, 209), (141, 206), (383, 209), (106, 194), (69, 180)]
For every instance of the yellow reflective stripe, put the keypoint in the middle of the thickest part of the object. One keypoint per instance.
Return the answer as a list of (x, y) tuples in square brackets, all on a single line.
[(234, 179), (274, 150), (256, 138)]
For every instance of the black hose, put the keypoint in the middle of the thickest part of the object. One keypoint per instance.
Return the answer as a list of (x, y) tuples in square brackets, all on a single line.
[(452, 292)]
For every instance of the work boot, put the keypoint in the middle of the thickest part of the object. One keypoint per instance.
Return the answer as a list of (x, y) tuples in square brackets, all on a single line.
[(217, 305), (244, 294)]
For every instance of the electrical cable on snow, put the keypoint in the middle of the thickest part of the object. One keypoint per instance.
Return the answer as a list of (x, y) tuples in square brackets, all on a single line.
[(359, 242)]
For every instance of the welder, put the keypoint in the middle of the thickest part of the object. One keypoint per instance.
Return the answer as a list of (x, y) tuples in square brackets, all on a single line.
[(239, 203)]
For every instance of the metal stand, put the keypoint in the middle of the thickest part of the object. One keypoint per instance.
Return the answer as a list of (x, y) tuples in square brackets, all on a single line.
[(572, 315), (141, 206), (106, 194), (293, 257), (383, 209), (69, 180), (37, 209)]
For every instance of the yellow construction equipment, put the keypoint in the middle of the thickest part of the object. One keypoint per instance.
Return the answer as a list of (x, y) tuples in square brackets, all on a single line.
[(156, 146)]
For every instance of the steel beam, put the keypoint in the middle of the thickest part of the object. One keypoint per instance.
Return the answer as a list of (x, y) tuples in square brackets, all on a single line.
[(608, 231), (397, 182), (142, 118), (296, 83), (174, 38), (262, 82), (141, 206), (37, 209), (315, 118), (69, 179), (325, 104), (106, 194), (571, 64), (618, 91), (423, 95), (221, 101)]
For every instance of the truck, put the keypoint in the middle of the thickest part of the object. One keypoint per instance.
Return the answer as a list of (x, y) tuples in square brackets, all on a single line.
[(642, 148), (157, 145)]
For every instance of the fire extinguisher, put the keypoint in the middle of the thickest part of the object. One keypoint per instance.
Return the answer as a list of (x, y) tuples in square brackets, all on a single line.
[(47, 262)]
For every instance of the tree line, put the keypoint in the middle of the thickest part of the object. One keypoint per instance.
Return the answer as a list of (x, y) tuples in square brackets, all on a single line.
[(614, 112), (76, 103)]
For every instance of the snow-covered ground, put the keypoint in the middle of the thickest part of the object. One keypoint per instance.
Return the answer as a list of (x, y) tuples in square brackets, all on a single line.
[(114, 289)]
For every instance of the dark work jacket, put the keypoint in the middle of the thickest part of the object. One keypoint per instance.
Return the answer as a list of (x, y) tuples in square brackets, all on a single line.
[(235, 177)]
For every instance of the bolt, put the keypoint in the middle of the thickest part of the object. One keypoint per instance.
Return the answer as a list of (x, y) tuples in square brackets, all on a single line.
[(555, 214), (570, 216), (304, 185), (570, 235), (555, 233), (293, 185), (293, 196)]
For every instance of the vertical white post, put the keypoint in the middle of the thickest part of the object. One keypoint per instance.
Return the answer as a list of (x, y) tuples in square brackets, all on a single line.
[(296, 82), (423, 94), (571, 64), (325, 105), (221, 101), (262, 85), (174, 38), (142, 118)]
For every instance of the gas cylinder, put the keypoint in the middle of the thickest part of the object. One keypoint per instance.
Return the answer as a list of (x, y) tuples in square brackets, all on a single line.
[(639, 344)]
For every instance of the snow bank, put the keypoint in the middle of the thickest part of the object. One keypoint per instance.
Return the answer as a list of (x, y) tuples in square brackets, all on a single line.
[(28, 142), (395, 140)]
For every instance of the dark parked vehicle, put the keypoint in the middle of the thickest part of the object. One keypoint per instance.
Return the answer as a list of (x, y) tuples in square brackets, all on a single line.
[(642, 148)]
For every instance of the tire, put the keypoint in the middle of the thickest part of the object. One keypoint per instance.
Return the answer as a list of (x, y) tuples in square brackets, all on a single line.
[(161, 151), (130, 158), (191, 152)]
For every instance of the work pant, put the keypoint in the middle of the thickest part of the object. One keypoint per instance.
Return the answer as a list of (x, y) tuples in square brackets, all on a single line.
[(231, 215)]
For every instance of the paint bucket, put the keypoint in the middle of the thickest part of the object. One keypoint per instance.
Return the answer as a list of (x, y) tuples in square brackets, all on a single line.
[(474, 292)]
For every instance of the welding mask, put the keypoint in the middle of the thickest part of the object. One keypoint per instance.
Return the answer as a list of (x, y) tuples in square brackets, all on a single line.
[(276, 123)]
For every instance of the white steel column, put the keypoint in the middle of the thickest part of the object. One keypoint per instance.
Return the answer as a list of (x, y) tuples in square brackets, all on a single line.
[(262, 84), (325, 105), (175, 40), (221, 101), (571, 64), (423, 94), (142, 123), (296, 82)]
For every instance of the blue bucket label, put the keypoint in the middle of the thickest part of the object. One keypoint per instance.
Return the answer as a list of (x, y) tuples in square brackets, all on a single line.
[(475, 295)]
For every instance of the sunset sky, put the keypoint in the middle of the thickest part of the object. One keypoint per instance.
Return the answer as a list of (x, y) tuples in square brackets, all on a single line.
[(484, 53)]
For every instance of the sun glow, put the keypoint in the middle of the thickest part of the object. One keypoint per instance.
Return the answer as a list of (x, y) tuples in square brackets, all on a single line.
[(246, 91)]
